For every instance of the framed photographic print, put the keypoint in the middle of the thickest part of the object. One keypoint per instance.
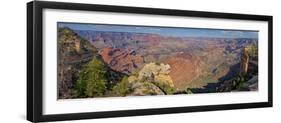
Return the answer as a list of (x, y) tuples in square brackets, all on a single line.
[(95, 61)]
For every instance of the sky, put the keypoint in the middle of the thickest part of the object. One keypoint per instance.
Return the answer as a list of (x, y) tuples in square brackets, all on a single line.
[(165, 31)]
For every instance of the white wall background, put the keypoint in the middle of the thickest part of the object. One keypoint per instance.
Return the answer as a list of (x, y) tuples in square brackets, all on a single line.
[(13, 61)]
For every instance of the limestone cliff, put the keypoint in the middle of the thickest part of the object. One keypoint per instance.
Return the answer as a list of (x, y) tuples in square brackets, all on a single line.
[(244, 61)]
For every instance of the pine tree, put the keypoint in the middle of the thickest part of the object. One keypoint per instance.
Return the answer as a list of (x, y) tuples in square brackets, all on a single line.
[(92, 80)]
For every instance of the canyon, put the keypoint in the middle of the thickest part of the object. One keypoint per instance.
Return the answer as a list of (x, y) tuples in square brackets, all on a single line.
[(153, 64), (194, 61)]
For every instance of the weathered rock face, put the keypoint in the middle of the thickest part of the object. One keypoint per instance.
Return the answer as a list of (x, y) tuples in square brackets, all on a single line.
[(145, 88), (252, 84), (249, 60), (184, 68), (152, 72), (244, 61), (152, 79), (75, 52), (239, 83), (120, 59), (72, 52)]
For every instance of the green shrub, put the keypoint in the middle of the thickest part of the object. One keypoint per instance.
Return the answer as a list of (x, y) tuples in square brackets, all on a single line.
[(92, 79), (238, 82), (121, 89)]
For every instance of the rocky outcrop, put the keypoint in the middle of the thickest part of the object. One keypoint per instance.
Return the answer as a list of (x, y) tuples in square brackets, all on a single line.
[(239, 83), (152, 79), (252, 84), (244, 61), (247, 78), (145, 88), (73, 51), (249, 60), (121, 60), (153, 72)]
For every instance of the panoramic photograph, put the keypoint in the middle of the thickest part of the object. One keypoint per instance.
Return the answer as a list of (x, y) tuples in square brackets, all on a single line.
[(104, 60)]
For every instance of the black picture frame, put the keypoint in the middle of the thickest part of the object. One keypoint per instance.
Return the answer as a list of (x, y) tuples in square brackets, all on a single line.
[(35, 69)]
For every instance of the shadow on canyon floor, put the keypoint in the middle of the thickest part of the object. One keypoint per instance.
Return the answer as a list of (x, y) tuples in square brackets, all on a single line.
[(212, 87)]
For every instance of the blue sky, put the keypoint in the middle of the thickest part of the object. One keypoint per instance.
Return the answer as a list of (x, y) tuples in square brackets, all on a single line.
[(165, 31)]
